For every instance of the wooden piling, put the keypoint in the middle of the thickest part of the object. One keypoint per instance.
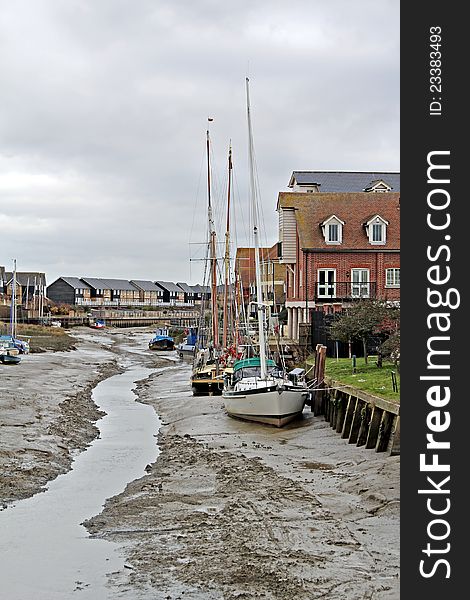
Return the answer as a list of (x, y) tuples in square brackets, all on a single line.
[(342, 401), (393, 447), (351, 405), (384, 431), (356, 421), (364, 426), (373, 432)]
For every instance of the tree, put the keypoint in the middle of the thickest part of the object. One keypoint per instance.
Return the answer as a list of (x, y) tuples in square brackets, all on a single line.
[(365, 319)]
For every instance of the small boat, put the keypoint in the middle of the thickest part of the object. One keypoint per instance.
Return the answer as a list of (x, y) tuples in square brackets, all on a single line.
[(98, 324), (162, 341), (21, 345), (9, 359), (187, 346), (208, 376), (9, 345), (9, 353)]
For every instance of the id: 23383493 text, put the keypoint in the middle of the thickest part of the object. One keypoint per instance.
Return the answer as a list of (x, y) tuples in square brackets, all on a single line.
[(435, 70)]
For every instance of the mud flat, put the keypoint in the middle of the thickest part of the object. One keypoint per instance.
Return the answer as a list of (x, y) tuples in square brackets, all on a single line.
[(229, 509), (46, 412), (239, 510)]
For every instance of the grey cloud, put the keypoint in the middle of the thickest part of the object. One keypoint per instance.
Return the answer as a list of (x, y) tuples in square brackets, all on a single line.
[(103, 115)]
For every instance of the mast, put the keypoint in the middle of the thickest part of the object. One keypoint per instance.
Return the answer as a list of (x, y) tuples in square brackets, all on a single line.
[(13, 302), (227, 251), (213, 257), (259, 293)]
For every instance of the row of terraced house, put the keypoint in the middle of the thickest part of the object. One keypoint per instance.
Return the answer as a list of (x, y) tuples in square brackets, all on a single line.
[(93, 291)]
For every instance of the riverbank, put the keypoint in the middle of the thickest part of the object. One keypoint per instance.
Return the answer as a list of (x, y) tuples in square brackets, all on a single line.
[(238, 510), (46, 412), (229, 509)]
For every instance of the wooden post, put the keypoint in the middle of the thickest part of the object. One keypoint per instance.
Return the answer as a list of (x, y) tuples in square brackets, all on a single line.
[(363, 429), (373, 433), (394, 441), (348, 416), (356, 421), (384, 431), (341, 411), (319, 373)]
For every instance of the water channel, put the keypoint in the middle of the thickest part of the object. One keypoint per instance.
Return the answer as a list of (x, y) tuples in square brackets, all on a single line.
[(46, 554)]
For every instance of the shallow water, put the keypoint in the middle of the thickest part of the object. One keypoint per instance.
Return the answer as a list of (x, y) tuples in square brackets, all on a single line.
[(45, 552)]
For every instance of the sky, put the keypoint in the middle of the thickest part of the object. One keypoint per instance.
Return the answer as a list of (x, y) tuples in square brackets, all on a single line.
[(104, 107)]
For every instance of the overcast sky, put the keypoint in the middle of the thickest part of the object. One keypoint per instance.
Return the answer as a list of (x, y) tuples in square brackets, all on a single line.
[(104, 107)]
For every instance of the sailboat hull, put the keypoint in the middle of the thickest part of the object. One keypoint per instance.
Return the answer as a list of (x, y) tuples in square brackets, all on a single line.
[(274, 406)]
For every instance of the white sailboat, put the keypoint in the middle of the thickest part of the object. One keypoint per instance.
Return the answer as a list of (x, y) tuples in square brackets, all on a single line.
[(259, 390)]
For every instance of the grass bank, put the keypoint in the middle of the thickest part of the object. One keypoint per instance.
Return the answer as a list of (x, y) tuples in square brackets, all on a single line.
[(42, 339), (368, 377)]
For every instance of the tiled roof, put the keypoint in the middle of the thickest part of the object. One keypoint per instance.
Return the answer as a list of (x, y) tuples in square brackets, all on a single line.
[(75, 282), (345, 181), (23, 278), (169, 286), (185, 287), (109, 284), (354, 209), (146, 286)]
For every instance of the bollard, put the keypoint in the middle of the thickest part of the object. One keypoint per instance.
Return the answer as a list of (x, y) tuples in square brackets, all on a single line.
[(353, 363)]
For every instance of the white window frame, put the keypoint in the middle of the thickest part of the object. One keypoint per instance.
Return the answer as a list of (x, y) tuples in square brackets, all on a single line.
[(333, 220), (360, 288), (326, 290), (393, 271), (377, 220)]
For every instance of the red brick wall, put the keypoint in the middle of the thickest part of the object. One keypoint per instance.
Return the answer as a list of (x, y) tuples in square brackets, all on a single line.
[(343, 262)]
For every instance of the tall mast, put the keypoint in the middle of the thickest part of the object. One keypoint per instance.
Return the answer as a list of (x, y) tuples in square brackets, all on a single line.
[(13, 303), (227, 250), (213, 257), (259, 293)]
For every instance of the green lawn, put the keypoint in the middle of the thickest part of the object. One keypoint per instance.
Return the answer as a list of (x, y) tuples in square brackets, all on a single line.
[(367, 377)]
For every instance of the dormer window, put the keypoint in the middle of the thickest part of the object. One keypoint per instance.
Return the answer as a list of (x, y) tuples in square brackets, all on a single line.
[(378, 185), (332, 229), (376, 229)]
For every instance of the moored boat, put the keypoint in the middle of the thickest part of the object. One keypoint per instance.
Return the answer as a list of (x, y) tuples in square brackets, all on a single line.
[(9, 353), (260, 390), (162, 341), (98, 324), (10, 346), (207, 376), (9, 359), (275, 399), (187, 346)]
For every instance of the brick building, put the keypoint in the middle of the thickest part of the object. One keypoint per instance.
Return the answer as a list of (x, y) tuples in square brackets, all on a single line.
[(339, 246), (273, 275)]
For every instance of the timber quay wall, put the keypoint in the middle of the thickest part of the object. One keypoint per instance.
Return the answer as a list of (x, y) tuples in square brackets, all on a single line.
[(359, 417), (176, 319)]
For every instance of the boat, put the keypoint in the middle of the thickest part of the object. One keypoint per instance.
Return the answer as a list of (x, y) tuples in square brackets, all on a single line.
[(21, 345), (270, 398), (98, 324), (187, 346), (207, 377), (9, 355), (162, 341), (9, 359), (9, 344), (259, 389)]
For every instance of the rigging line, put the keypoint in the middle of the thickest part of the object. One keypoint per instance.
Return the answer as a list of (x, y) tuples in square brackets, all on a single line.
[(197, 196)]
